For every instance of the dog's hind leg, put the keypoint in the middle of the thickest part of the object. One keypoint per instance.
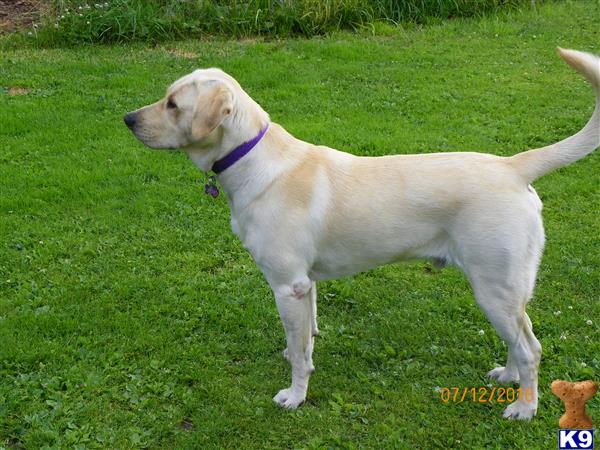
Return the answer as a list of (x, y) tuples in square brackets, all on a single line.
[(502, 287), (502, 269), (505, 308), (295, 305), (507, 374)]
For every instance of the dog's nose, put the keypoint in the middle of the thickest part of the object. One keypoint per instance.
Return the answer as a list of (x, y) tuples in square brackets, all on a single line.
[(129, 119)]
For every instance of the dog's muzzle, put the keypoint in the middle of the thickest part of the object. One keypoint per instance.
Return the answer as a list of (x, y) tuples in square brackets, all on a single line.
[(130, 120)]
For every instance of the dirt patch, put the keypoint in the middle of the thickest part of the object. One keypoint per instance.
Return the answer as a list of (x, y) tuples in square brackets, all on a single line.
[(181, 53), (19, 14), (17, 91)]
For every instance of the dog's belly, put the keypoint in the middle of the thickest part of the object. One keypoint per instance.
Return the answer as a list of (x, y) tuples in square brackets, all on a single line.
[(328, 270), (350, 256)]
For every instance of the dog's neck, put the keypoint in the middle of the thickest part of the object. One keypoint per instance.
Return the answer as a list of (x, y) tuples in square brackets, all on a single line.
[(247, 179), (238, 152), (251, 175), (246, 121), (255, 172)]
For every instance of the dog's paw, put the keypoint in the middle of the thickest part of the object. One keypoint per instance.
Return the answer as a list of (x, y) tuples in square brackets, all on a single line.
[(289, 399), (286, 354), (502, 375), (520, 410)]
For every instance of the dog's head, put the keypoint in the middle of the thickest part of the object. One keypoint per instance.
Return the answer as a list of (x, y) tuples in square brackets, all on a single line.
[(204, 113), (193, 108)]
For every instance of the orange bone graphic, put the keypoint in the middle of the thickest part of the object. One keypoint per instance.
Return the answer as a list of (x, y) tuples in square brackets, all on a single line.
[(574, 396)]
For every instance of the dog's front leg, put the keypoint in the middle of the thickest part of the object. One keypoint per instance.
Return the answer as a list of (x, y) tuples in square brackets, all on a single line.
[(295, 305), (313, 295), (314, 327)]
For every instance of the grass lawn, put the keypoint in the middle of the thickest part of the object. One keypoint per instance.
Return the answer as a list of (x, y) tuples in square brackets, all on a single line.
[(130, 316)]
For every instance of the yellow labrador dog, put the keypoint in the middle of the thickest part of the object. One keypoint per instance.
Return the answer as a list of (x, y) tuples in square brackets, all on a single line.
[(308, 213)]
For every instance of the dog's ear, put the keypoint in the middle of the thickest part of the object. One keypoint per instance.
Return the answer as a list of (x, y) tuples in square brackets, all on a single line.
[(211, 110)]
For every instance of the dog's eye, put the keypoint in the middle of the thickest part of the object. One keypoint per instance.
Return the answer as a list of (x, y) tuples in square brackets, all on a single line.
[(171, 104)]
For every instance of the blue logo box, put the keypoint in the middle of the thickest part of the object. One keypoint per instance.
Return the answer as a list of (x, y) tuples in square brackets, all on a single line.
[(575, 439)]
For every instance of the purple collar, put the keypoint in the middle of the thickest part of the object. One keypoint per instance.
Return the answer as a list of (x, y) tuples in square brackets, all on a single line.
[(237, 153)]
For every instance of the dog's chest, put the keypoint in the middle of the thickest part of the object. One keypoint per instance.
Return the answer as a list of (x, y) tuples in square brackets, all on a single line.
[(252, 240), (235, 227), (243, 227)]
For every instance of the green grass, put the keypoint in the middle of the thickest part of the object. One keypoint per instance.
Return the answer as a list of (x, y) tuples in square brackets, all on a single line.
[(128, 310), (76, 21)]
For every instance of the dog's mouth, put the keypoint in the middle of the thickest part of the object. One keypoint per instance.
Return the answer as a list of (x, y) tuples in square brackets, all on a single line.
[(152, 142), (148, 139)]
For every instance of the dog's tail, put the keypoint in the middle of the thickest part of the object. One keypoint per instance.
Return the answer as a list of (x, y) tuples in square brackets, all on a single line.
[(533, 164)]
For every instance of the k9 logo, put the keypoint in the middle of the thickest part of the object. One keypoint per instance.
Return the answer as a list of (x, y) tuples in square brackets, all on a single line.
[(576, 439)]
